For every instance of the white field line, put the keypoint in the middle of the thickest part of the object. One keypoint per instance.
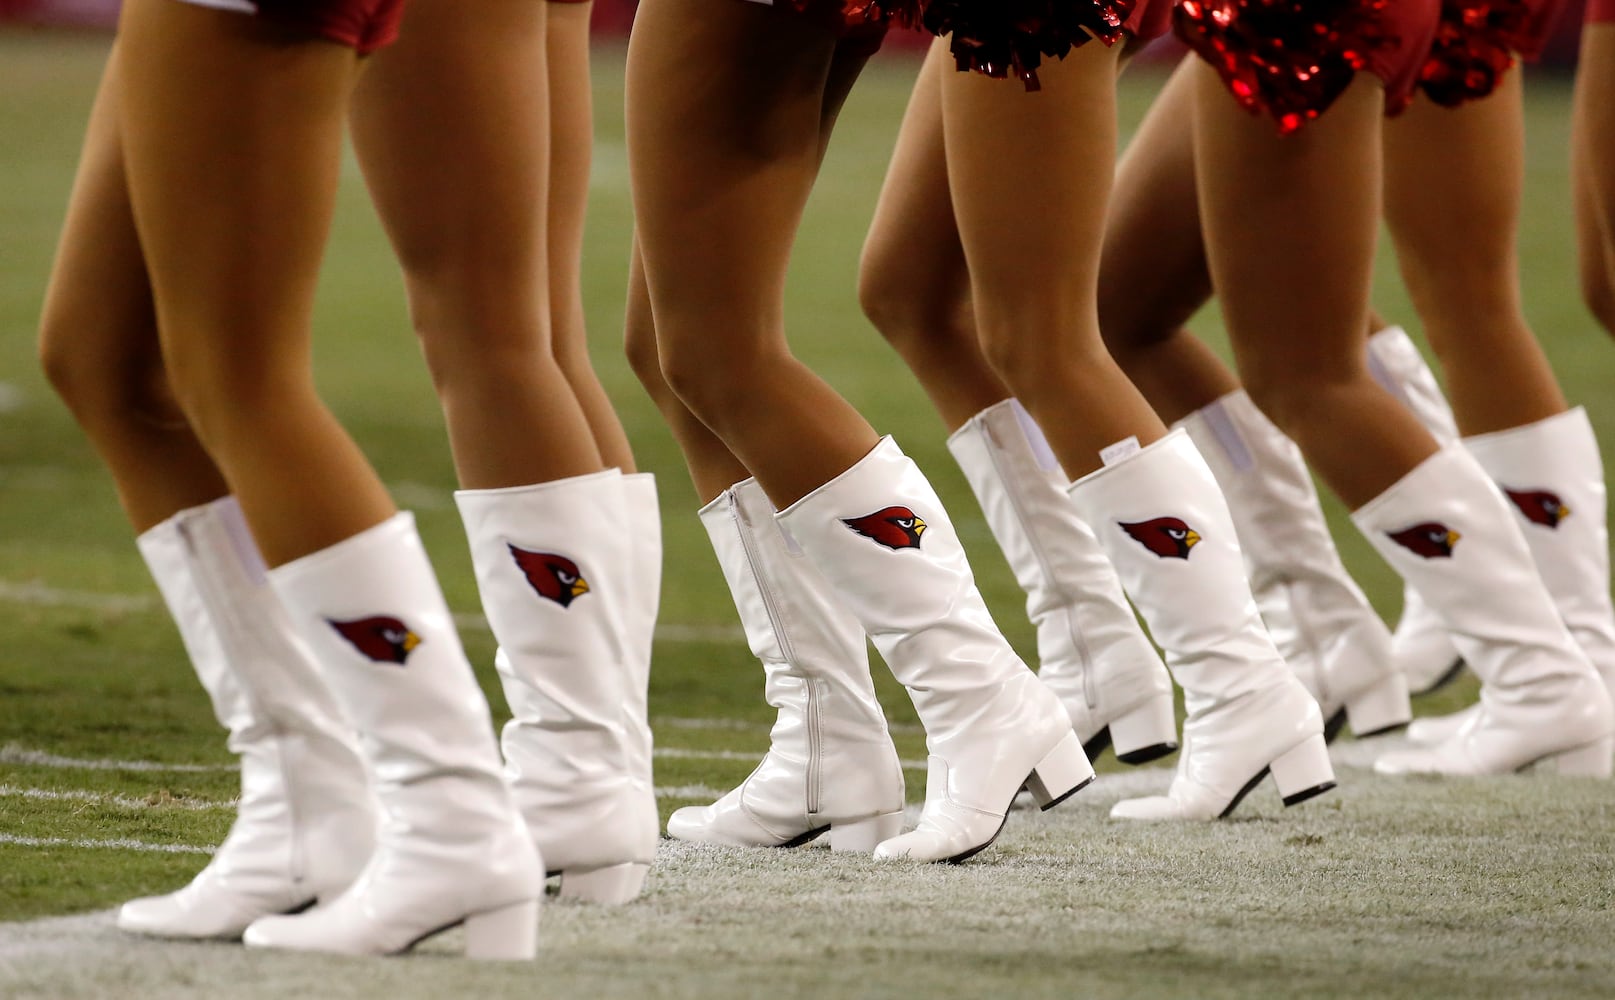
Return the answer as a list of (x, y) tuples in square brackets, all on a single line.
[(37, 594), (11, 753), (119, 844), (109, 799)]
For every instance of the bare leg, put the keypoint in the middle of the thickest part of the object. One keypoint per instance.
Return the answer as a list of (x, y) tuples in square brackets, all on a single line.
[(451, 124), (913, 282), (1593, 171), (571, 141), (98, 338), (1049, 155), (255, 151), (1153, 274), (1290, 228), (722, 165), (1452, 200)]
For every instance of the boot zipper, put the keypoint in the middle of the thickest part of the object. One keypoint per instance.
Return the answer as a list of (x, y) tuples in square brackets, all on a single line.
[(783, 640)]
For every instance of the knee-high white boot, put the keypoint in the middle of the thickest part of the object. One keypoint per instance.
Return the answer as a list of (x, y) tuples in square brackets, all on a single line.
[(1449, 532), (1424, 652), (880, 537), (1553, 476), (1318, 617), (1090, 648), (306, 823), (1160, 516), (452, 848), (830, 763), (555, 568)]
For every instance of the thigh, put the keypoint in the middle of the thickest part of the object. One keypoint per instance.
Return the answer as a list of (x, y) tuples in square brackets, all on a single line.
[(233, 182), (99, 323), (725, 108), (451, 125), (1153, 274), (571, 111)]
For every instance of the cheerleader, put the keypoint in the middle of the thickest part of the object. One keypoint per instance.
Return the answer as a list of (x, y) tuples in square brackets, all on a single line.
[(730, 105), (997, 315), (474, 138), (1291, 268), (206, 414)]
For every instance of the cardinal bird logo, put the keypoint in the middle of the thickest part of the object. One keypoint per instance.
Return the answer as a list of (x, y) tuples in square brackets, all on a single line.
[(893, 527), (1539, 506), (555, 577), (382, 638), (1167, 537), (1432, 539)]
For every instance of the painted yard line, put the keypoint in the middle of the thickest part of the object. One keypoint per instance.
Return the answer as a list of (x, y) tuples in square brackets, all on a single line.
[(120, 801), (121, 844), (34, 593), (13, 754)]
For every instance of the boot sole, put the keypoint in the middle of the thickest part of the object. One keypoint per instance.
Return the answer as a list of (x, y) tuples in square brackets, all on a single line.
[(1446, 678), (1100, 742), (958, 859), (1287, 762)]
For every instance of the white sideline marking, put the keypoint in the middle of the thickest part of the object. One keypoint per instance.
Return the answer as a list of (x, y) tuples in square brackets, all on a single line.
[(120, 844), (13, 754), (11, 398), (108, 799), (41, 595)]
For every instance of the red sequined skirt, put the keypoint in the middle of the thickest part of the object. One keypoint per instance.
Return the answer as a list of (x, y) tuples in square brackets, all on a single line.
[(1600, 11), (1478, 41)]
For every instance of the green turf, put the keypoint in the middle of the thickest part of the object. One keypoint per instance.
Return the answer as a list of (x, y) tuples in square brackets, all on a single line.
[(1393, 888)]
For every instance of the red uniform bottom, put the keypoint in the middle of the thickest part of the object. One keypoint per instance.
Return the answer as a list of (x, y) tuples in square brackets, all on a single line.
[(1600, 11), (362, 25)]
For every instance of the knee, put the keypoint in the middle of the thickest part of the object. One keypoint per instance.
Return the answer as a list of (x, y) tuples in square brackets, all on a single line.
[(918, 319), (1030, 341), (1295, 399), (1598, 292), (639, 346), (100, 389)]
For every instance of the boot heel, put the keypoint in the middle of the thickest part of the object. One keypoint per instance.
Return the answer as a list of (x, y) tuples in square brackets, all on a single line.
[(1591, 760), (1148, 732), (508, 934), (1303, 771), (862, 835), (1062, 772), (610, 886), (1381, 708)]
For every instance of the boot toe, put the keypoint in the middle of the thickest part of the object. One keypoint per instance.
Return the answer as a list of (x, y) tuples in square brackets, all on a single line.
[(1155, 808)]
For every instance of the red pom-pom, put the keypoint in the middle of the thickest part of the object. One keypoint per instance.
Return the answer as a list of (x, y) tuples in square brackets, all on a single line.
[(1475, 45), (1003, 37), (1287, 58)]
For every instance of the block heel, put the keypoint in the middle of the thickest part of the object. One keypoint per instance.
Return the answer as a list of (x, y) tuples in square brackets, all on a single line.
[(861, 836), (1590, 760), (1303, 771), (613, 885), (1147, 733), (1062, 772), (506, 934)]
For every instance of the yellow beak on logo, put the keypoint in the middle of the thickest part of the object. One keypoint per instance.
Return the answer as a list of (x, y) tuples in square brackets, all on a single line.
[(580, 587), (1192, 538), (411, 640)]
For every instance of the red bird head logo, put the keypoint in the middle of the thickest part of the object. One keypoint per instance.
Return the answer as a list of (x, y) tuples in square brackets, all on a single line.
[(893, 527), (554, 577), (382, 638), (1539, 506), (1431, 539), (1167, 537)]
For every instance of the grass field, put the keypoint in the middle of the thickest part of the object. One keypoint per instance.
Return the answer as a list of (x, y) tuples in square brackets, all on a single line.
[(114, 780)]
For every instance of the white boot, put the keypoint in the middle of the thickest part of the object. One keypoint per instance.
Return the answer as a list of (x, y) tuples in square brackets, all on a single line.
[(1423, 650), (880, 537), (1319, 618), (453, 849), (1090, 648), (555, 569), (830, 763), (1553, 476), (305, 824), (1448, 531), (1160, 516)]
